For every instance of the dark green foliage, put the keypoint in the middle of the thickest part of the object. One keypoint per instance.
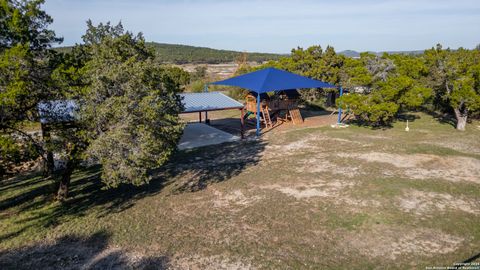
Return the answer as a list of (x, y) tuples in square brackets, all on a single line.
[(181, 54), (446, 80), (129, 107), (239, 93), (402, 90), (23, 22), (25, 68), (392, 90), (197, 86), (198, 79), (179, 76), (455, 78), (13, 153), (354, 73), (384, 102), (368, 110)]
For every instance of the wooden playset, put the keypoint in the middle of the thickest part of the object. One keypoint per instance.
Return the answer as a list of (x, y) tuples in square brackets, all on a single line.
[(280, 107)]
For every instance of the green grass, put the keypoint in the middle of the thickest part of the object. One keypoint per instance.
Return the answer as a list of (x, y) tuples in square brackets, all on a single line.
[(236, 204)]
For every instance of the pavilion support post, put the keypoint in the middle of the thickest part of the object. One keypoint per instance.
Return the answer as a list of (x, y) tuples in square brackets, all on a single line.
[(258, 114), (199, 117), (340, 108), (242, 123), (205, 89)]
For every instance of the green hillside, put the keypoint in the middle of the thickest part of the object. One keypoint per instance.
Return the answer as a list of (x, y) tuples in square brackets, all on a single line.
[(181, 54)]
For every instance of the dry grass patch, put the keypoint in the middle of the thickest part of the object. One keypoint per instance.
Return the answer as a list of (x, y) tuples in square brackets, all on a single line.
[(234, 199), (314, 188), (198, 262), (392, 242), (427, 203), (337, 192), (423, 166), (321, 164)]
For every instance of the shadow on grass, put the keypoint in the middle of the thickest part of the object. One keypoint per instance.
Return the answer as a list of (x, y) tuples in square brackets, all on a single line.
[(198, 168), (401, 117), (74, 252), (188, 171), (443, 118), (365, 124), (230, 125), (474, 258), (28, 194), (312, 110), (17, 182)]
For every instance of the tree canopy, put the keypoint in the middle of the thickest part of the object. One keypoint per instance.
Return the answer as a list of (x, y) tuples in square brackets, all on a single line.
[(25, 67), (128, 105)]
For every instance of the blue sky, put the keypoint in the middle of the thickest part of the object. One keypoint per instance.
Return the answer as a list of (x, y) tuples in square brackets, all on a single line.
[(278, 26)]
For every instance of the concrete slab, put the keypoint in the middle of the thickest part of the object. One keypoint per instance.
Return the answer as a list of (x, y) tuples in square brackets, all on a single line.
[(199, 134)]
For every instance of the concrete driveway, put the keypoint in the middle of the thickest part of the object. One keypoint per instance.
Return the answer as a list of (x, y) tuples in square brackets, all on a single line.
[(199, 134)]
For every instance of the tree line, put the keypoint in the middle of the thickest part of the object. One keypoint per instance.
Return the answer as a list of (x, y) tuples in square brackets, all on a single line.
[(185, 54), (182, 54), (438, 80)]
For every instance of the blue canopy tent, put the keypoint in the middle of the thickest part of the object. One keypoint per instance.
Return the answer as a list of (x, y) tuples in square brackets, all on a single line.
[(272, 79)]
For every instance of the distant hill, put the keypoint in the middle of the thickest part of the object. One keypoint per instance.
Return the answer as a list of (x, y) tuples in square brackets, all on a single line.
[(182, 54), (351, 53), (185, 54)]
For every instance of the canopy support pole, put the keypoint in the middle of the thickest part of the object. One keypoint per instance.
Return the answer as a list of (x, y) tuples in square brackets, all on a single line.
[(258, 113), (242, 123), (340, 108), (205, 89)]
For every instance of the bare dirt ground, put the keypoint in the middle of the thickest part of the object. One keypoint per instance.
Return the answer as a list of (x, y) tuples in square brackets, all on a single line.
[(301, 197)]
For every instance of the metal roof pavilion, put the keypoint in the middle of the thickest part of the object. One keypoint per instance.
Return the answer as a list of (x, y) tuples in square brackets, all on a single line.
[(208, 101), (64, 110), (211, 101)]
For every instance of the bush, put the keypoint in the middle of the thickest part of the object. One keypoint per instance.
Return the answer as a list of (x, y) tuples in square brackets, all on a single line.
[(237, 93), (13, 153), (367, 110), (197, 86)]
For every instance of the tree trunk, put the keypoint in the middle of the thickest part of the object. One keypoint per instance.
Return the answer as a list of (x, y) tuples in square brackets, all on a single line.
[(64, 183), (461, 119), (49, 165), (330, 102)]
